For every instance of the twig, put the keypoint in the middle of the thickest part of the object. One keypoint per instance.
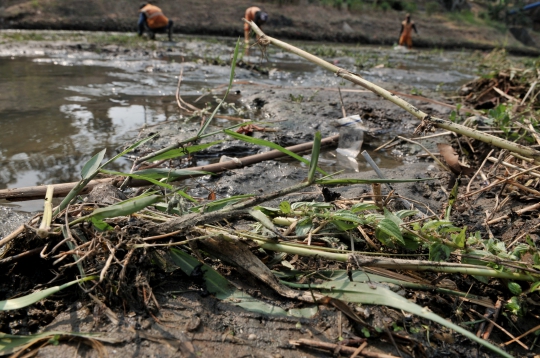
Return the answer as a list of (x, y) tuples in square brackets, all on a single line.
[(511, 166), (333, 347), (499, 327), (17, 232), (502, 181), (518, 212), (516, 339), (359, 349), (428, 152), (478, 171), (14, 258), (490, 326)]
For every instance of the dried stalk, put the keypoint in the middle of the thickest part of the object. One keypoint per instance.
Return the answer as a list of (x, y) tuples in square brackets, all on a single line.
[(426, 119)]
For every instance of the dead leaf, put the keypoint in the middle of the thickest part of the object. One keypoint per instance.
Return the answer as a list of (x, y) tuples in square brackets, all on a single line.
[(343, 307), (452, 159)]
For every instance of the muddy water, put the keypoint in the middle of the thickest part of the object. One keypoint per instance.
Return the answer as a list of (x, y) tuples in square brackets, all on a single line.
[(58, 108)]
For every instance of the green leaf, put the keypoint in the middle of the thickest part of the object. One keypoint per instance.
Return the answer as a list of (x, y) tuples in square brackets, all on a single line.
[(223, 290), (272, 145), (137, 176), (32, 298), (263, 219), (514, 306), (125, 208), (388, 233), (390, 216), (314, 157), (535, 287), (411, 242), (435, 224), (91, 167), (343, 225), (221, 203), (363, 206), (311, 204), (178, 152), (101, 225), (439, 252), (520, 250), (402, 214), (285, 207), (345, 215), (459, 239), (303, 227), (367, 293), (515, 288)]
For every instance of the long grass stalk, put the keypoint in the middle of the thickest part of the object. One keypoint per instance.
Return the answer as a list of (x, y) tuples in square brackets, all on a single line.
[(395, 264), (424, 117)]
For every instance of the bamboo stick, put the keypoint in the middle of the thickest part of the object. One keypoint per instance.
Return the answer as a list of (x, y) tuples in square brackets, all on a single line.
[(37, 192), (426, 119)]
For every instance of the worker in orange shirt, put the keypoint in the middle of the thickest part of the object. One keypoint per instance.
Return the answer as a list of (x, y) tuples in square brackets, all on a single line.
[(405, 35), (151, 17), (256, 15)]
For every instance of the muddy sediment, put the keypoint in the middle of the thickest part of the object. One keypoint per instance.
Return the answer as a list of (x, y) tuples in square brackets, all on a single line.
[(296, 105)]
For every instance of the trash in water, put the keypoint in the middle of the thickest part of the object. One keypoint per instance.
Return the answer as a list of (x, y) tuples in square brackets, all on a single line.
[(351, 136)]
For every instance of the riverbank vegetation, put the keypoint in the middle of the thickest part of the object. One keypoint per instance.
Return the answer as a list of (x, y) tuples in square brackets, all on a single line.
[(472, 260)]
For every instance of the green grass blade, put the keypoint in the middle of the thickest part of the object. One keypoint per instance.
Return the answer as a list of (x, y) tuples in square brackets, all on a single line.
[(150, 175), (231, 78), (269, 144), (91, 167), (32, 298), (346, 181), (224, 290), (124, 208), (178, 152), (136, 176), (72, 246), (221, 203), (314, 157), (129, 149), (366, 293), (88, 174)]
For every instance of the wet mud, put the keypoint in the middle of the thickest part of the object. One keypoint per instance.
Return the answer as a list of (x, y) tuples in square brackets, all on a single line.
[(294, 98)]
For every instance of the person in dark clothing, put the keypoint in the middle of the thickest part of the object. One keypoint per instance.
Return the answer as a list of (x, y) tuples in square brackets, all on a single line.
[(152, 19)]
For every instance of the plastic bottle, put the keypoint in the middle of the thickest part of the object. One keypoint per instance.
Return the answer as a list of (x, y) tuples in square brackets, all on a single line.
[(351, 136)]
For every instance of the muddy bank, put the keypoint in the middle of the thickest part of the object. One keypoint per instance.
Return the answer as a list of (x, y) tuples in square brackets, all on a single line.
[(296, 100), (364, 25)]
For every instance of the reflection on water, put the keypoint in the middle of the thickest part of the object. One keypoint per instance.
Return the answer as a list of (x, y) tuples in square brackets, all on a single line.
[(47, 131), (57, 111)]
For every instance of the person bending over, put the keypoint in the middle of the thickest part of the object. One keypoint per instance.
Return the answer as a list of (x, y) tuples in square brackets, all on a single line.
[(256, 15), (152, 19)]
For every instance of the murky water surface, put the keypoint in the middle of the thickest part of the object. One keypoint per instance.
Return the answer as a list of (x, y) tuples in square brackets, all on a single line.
[(57, 111)]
